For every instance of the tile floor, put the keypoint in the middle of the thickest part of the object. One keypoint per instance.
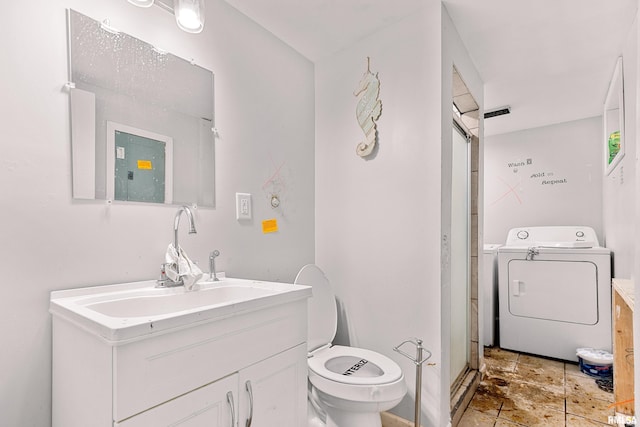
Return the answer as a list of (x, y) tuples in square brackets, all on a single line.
[(522, 390)]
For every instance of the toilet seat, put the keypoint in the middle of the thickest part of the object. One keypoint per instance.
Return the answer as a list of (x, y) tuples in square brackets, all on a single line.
[(341, 364), (338, 390)]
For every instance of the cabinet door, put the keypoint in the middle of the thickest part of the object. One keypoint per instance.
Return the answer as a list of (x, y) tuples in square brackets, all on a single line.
[(274, 392), (214, 405)]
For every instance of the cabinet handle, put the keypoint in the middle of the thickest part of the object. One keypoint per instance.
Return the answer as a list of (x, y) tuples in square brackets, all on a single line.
[(250, 391), (232, 407)]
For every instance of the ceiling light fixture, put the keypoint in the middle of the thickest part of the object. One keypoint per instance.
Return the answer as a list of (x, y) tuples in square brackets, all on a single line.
[(189, 13)]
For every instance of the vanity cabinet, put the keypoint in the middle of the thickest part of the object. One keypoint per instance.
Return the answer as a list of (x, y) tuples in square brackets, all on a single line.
[(264, 394), (252, 361)]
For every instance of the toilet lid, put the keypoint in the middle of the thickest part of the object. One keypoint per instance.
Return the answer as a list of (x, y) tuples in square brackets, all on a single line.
[(323, 314)]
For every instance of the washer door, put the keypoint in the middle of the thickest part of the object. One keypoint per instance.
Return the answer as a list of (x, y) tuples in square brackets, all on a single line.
[(564, 291)]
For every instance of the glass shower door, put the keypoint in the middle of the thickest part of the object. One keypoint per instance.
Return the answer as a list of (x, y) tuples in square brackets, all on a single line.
[(460, 254)]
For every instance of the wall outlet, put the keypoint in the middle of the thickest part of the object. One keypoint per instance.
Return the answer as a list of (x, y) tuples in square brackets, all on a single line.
[(243, 206)]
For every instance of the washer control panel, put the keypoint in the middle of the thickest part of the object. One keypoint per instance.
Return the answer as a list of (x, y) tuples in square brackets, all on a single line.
[(553, 236)]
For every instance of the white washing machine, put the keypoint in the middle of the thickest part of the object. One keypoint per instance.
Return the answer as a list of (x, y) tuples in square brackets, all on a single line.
[(554, 291), (490, 293)]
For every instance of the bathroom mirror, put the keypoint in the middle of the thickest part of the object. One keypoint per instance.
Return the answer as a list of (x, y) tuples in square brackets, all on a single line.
[(613, 121), (141, 119)]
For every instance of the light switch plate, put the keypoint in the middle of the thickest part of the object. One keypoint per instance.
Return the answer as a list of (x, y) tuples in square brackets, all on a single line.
[(243, 206)]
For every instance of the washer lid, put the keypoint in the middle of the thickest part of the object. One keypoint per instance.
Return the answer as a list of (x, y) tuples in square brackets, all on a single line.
[(567, 245), (548, 250), (323, 314)]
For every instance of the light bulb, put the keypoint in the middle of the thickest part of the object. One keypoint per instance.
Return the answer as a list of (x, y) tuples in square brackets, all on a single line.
[(189, 19), (189, 15), (142, 3)]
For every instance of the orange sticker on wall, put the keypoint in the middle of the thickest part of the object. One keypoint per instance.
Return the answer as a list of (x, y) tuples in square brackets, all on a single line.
[(145, 164), (269, 226)]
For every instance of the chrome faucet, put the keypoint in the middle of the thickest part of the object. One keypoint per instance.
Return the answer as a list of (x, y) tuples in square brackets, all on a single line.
[(164, 280), (212, 265), (176, 223)]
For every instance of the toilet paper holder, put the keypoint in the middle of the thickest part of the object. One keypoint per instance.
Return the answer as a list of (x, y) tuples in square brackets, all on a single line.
[(420, 350), (422, 355)]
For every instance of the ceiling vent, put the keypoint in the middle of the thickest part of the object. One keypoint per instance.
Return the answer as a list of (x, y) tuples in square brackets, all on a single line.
[(497, 112)]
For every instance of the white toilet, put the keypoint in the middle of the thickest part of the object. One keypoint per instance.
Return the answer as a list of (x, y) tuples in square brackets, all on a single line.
[(348, 386)]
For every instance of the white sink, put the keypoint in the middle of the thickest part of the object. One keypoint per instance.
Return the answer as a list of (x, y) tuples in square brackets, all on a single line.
[(154, 305), (129, 311)]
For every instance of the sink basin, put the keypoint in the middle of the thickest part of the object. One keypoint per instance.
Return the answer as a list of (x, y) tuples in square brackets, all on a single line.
[(154, 305), (128, 311)]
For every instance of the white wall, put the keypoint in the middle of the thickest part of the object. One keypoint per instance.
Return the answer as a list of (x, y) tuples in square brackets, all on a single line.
[(378, 220), (378, 235), (265, 114), (622, 190), (544, 176), (619, 188)]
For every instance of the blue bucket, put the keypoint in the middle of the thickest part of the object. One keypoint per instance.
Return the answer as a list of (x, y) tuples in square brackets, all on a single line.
[(596, 363), (595, 370)]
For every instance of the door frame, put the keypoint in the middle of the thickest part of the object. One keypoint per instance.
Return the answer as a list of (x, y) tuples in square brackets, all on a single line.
[(462, 391), (458, 376)]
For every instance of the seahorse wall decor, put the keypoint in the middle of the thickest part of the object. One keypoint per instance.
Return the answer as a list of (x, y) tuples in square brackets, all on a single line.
[(368, 110)]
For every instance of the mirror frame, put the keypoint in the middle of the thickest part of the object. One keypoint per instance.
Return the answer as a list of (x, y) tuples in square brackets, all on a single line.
[(613, 117), (92, 176)]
